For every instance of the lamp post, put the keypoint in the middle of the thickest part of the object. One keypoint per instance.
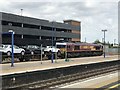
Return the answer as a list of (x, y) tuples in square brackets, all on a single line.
[(114, 42), (12, 33), (104, 41), (21, 11), (52, 43), (41, 53), (85, 39), (55, 38)]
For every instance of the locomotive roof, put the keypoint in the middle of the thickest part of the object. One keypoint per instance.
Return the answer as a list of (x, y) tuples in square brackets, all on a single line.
[(68, 43), (87, 44)]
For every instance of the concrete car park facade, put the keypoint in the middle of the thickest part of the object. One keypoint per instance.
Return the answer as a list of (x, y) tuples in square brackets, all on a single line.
[(30, 30)]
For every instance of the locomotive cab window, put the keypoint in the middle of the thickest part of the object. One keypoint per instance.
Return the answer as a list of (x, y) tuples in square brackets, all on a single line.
[(60, 46), (68, 46), (97, 47)]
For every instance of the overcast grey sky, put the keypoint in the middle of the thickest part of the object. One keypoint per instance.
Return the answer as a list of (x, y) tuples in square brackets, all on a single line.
[(94, 15)]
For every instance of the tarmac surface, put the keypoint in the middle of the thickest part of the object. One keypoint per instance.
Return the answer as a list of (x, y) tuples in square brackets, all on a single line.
[(30, 66)]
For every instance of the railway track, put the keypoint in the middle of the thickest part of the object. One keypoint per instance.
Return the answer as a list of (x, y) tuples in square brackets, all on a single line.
[(45, 84)]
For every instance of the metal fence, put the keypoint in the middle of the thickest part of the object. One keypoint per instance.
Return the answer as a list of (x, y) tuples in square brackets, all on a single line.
[(113, 51)]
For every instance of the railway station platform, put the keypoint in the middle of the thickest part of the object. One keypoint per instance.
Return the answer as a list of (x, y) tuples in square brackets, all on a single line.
[(101, 82), (30, 66)]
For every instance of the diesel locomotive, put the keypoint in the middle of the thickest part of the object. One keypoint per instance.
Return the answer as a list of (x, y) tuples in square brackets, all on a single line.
[(79, 49)]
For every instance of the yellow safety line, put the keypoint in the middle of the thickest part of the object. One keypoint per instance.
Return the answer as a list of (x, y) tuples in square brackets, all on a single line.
[(113, 86)]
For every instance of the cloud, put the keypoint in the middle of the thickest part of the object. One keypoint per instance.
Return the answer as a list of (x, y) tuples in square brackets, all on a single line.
[(94, 16)]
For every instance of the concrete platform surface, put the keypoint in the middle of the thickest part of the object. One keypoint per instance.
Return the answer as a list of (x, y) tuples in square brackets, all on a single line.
[(94, 82), (36, 65)]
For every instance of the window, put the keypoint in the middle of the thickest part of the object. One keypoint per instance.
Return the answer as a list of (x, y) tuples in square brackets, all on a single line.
[(5, 46), (16, 24), (31, 37), (46, 28), (12, 23), (61, 30), (10, 46), (77, 48), (16, 47), (33, 47), (60, 46), (31, 26), (5, 23), (68, 46)]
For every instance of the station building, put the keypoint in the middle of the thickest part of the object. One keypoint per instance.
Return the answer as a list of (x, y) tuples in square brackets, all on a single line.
[(34, 31)]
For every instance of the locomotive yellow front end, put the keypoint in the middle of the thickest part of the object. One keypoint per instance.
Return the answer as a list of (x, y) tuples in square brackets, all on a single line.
[(61, 46)]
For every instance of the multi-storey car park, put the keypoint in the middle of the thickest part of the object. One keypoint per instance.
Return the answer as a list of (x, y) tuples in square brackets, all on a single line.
[(36, 31)]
